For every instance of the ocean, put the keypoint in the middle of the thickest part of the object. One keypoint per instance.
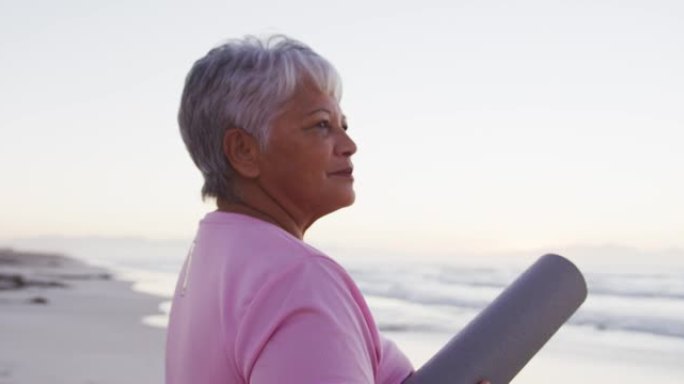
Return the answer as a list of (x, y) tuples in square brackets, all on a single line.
[(633, 316)]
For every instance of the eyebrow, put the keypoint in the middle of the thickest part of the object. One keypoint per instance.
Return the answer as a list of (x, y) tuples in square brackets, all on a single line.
[(315, 111), (343, 116)]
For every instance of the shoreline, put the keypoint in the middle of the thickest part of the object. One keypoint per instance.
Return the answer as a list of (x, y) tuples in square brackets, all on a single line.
[(64, 321)]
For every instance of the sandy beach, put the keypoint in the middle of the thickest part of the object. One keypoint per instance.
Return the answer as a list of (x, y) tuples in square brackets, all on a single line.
[(62, 321)]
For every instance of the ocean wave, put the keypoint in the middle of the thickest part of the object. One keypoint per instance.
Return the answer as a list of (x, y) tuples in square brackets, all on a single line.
[(642, 303), (424, 296), (637, 285), (653, 325)]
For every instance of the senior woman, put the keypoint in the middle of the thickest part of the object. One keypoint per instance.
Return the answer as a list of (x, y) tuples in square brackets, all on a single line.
[(254, 303)]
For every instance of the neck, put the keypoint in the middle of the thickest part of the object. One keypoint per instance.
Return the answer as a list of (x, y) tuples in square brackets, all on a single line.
[(256, 203)]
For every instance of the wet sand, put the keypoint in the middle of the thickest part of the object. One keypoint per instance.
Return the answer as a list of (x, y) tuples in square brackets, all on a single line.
[(62, 321)]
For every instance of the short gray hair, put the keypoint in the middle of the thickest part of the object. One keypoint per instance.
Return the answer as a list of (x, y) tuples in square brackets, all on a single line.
[(243, 84)]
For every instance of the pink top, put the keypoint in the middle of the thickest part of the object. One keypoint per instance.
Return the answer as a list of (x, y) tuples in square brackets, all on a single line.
[(260, 306)]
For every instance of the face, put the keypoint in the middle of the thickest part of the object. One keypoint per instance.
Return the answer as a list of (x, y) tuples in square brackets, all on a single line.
[(306, 166)]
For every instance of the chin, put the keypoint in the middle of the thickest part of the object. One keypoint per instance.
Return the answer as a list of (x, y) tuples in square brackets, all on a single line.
[(349, 200), (343, 201)]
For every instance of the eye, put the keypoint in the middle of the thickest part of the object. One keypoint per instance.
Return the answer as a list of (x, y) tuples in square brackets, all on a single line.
[(323, 124)]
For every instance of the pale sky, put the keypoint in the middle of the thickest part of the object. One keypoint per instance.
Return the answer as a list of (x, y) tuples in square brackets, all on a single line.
[(481, 125)]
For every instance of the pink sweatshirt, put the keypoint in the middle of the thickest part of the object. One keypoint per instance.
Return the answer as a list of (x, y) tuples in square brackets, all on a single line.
[(254, 304)]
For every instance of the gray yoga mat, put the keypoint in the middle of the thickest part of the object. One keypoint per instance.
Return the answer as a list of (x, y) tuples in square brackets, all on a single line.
[(498, 343)]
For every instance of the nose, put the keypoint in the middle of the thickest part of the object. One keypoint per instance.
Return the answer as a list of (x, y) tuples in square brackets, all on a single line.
[(345, 145)]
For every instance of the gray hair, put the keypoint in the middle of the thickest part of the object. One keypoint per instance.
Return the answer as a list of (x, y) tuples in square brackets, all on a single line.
[(243, 84)]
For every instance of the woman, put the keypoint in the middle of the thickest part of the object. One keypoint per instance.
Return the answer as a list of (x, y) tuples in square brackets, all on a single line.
[(254, 303)]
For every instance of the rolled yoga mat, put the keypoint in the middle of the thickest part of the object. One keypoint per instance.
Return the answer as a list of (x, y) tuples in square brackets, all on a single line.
[(498, 343)]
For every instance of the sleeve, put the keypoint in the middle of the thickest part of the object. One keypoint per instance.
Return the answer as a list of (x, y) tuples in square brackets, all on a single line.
[(394, 367), (306, 327)]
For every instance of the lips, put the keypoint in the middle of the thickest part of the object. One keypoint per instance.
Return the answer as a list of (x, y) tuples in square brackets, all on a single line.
[(345, 172)]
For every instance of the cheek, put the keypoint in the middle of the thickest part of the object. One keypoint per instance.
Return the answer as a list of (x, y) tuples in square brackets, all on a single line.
[(300, 168), (308, 160)]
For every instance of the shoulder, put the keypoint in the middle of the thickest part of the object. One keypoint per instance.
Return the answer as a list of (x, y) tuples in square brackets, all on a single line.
[(314, 284), (247, 249), (262, 267), (310, 312), (311, 280)]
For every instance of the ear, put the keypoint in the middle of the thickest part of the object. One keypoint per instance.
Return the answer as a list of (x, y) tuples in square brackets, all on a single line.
[(242, 152)]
